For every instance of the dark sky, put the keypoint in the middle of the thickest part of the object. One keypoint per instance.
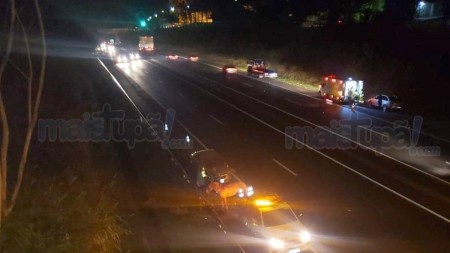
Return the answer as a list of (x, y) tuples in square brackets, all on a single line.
[(120, 12), (102, 12)]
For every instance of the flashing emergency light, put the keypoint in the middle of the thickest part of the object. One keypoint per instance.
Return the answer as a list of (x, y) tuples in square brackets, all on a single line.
[(263, 202), (267, 201)]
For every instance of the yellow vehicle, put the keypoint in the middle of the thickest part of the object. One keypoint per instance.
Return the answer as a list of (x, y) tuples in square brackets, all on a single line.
[(275, 223)]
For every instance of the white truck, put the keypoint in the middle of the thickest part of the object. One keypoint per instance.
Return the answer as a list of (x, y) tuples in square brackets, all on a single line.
[(341, 90), (146, 44)]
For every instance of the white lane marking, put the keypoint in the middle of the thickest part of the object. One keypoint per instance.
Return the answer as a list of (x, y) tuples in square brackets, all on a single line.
[(222, 224), (159, 103), (284, 167), (216, 119), (331, 132), (318, 152), (282, 86), (334, 133), (247, 84)]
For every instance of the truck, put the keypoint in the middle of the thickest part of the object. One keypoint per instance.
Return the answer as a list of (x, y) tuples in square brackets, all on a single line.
[(341, 90), (257, 67), (146, 44)]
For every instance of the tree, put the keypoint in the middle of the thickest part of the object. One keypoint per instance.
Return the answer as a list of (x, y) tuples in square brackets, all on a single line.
[(19, 21)]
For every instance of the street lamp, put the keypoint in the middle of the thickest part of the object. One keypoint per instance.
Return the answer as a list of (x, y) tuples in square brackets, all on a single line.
[(156, 15), (162, 11), (172, 9), (421, 4)]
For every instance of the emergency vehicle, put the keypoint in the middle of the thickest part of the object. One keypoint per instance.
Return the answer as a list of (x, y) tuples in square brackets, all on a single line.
[(341, 90), (273, 221), (257, 67)]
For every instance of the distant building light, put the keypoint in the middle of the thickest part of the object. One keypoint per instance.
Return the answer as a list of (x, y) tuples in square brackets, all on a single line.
[(172, 9), (290, 14), (162, 11), (156, 15), (421, 4), (188, 6)]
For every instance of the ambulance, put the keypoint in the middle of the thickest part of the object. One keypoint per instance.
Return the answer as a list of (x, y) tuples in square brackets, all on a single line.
[(341, 90)]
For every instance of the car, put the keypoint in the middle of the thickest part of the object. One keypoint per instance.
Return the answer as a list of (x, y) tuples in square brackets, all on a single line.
[(273, 220), (125, 56), (387, 102), (207, 166), (122, 58), (229, 69), (193, 58), (134, 56), (172, 57)]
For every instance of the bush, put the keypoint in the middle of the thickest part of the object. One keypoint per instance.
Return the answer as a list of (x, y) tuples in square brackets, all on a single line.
[(65, 213)]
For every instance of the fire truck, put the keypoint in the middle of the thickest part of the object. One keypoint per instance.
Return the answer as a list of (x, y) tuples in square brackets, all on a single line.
[(341, 90), (274, 223)]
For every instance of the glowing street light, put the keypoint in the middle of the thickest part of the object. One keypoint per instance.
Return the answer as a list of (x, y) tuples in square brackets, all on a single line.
[(162, 11), (156, 15), (421, 4), (172, 9)]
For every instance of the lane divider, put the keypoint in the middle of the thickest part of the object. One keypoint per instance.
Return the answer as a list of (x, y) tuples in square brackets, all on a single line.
[(314, 150)]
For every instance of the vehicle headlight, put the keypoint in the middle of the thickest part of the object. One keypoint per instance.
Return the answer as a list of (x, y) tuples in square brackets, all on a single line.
[(276, 243), (137, 56), (131, 56), (305, 236), (241, 193), (250, 191)]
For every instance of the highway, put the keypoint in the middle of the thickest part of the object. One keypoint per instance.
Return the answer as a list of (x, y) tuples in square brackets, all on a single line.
[(353, 197)]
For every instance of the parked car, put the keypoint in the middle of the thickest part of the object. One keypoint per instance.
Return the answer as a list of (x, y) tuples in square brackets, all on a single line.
[(387, 102), (229, 69)]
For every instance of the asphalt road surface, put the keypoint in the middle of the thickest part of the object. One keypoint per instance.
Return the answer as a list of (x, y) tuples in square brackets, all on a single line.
[(353, 197)]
